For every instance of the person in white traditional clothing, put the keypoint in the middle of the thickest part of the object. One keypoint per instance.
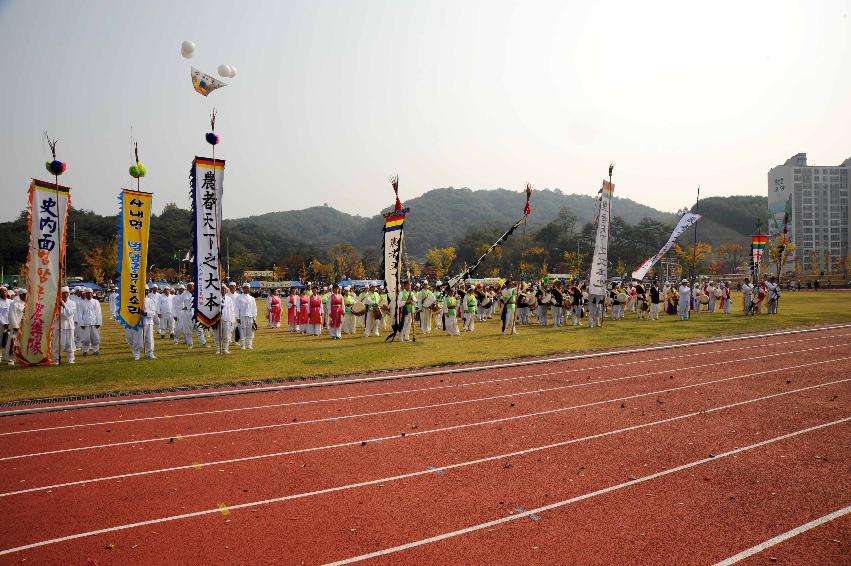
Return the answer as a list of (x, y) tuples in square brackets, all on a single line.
[(747, 294), (727, 297), (66, 326), (16, 316), (77, 298), (349, 300), (685, 299), (471, 305), (5, 308), (773, 290), (371, 298), (246, 314), (710, 292), (406, 302), (226, 321), (112, 298), (143, 337), (157, 296), (176, 306), (90, 322), (426, 299), (164, 313), (509, 308), (186, 314)]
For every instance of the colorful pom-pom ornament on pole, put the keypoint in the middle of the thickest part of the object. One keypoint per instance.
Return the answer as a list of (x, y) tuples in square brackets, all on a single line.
[(213, 138), (138, 170), (55, 167)]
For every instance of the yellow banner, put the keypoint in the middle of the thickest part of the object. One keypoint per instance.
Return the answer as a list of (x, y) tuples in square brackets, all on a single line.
[(134, 226)]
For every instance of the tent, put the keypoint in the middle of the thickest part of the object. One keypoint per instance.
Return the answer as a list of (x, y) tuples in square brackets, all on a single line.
[(92, 286)]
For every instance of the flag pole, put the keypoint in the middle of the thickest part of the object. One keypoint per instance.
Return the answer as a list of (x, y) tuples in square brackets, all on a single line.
[(694, 248)]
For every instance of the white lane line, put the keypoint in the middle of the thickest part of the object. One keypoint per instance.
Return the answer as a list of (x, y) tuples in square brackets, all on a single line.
[(583, 497), (407, 391), (393, 377), (399, 410), (199, 465), (785, 536), (539, 510)]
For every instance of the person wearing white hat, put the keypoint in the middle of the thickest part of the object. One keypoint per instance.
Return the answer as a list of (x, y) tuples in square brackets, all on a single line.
[(164, 312), (112, 298), (90, 323), (175, 313), (16, 316), (77, 298), (226, 321), (372, 322), (143, 337), (246, 313), (5, 305), (185, 317), (685, 299), (65, 325), (349, 300), (426, 314)]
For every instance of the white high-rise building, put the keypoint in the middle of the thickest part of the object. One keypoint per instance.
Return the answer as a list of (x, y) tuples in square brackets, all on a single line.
[(815, 198)]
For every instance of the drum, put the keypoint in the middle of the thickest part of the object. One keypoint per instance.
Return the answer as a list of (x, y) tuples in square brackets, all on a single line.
[(428, 301), (385, 308), (358, 309), (376, 311), (547, 299), (434, 307), (622, 297), (704, 299), (718, 293), (532, 302), (487, 302)]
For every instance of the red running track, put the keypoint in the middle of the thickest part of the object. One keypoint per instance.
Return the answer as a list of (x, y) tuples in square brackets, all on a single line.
[(689, 455)]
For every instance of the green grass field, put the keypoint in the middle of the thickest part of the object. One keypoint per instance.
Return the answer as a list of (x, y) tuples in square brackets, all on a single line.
[(278, 354)]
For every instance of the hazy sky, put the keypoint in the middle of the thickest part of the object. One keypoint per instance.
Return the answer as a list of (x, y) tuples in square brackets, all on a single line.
[(332, 97)]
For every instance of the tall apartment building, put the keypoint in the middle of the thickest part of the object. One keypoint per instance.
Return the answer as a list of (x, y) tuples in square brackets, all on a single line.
[(816, 199)]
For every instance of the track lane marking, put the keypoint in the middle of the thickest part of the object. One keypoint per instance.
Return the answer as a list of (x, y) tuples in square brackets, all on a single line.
[(784, 536), (406, 391), (473, 528), (583, 497), (202, 465), (393, 377), (401, 410)]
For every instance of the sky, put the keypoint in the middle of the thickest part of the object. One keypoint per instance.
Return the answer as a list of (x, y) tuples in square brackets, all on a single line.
[(333, 97)]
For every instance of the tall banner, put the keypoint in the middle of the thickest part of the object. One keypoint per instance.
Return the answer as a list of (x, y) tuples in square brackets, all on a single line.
[(134, 226), (207, 178), (393, 224), (48, 219), (758, 243), (684, 224), (600, 260)]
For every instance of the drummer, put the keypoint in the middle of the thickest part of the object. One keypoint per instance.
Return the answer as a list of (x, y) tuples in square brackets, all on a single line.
[(348, 317), (370, 300), (427, 299)]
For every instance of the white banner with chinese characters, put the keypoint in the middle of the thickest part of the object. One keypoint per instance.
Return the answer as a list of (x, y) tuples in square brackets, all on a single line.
[(48, 209), (600, 261), (207, 179), (685, 222)]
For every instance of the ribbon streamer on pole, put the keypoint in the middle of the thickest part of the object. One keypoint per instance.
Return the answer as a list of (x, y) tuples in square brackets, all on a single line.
[(527, 210), (685, 222)]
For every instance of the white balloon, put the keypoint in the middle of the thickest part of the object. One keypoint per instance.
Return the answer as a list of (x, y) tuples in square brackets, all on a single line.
[(187, 49), (224, 70), (232, 71)]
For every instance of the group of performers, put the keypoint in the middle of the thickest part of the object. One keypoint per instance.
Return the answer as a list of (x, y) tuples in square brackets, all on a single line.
[(424, 309)]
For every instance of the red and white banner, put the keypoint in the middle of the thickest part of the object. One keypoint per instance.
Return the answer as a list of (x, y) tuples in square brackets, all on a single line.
[(48, 210)]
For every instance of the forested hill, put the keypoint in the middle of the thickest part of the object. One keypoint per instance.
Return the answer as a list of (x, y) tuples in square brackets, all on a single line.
[(438, 218)]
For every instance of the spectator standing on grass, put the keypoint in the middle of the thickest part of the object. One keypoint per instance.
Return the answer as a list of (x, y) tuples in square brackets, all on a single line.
[(90, 323), (65, 325), (685, 299)]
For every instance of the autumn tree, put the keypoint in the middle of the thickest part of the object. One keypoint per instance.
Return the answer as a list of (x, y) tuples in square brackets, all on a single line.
[(731, 255), (102, 262), (440, 260), (694, 254), (779, 249), (344, 261), (574, 261)]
